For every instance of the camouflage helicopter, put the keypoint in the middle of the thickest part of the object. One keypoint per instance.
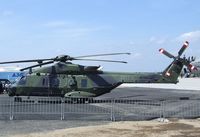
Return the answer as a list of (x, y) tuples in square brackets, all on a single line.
[(196, 73), (66, 79), (192, 73)]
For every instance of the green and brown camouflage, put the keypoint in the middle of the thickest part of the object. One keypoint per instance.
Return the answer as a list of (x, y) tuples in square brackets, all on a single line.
[(73, 80)]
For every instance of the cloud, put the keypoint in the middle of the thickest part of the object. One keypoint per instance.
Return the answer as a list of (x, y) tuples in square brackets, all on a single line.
[(1, 23), (56, 24), (78, 31), (157, 40), (190, 36), (7, 13), (131, 42), (70, 29), (75, 31), (136, 55)]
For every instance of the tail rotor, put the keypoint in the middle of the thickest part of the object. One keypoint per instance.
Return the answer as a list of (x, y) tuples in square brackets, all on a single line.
[(178, 60)]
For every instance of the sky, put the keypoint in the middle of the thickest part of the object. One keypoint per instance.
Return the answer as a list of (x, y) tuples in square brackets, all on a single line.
[(33, 29)]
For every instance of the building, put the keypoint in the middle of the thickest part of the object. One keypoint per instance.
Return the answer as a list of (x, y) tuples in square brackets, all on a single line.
[(9, 75)]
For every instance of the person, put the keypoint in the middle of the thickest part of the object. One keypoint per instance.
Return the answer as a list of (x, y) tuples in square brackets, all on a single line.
[(1, 88)]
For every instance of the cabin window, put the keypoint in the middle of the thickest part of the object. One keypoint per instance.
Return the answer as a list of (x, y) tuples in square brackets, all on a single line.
[(54, 82), (84, 83)]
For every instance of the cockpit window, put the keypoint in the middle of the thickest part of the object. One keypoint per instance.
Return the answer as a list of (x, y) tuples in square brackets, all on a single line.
[(22, 80), (22, 77)]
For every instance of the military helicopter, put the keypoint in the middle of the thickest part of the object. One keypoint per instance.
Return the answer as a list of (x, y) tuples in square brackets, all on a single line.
[(187, 73), (195, 73), (66, 79)]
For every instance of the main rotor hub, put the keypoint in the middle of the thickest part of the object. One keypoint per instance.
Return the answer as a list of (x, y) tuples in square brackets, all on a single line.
[(63, 58)]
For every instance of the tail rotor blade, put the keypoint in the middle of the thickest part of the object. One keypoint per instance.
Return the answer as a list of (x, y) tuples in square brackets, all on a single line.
[(166, 53), (192, 68), (185, 45)]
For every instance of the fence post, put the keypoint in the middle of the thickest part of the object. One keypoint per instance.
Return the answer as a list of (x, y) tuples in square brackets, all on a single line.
[(162, 113), (11, 105), (112, 115), (62, 108)]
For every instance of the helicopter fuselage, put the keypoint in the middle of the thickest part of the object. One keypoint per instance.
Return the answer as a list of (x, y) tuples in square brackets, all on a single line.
[(86, 85)]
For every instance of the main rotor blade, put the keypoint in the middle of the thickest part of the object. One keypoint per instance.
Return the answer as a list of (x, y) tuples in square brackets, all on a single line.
[(115, 61), (65, 58), (25, 61), (40, 64), (97, 55), (185, 45), (166, 53)]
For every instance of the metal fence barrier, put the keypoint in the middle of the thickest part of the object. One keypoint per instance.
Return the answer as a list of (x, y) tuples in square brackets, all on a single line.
[(49, 108), (5, 107)]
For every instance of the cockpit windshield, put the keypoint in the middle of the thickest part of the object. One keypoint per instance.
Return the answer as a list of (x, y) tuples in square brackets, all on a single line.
[(20, 80)]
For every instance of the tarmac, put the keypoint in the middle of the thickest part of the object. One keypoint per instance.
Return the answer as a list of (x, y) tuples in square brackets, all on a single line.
[(8, 127), (144, 93)]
